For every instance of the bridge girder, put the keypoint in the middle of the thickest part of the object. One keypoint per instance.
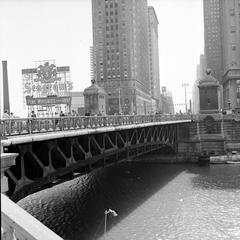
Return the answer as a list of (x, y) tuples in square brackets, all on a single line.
[(41, 163)]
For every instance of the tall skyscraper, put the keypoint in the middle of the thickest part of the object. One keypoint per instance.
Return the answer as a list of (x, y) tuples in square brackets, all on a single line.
[(153, 57), (120, 43), (222, 47), (230, 22), (212, 37)]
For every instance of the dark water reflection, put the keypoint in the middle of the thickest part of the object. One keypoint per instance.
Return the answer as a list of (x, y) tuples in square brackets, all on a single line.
[(153, 201)]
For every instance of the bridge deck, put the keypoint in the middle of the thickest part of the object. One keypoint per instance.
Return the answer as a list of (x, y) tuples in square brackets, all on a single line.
[(35, 137)]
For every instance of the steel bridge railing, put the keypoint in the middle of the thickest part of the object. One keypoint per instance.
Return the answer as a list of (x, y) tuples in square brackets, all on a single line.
[(22, 126)]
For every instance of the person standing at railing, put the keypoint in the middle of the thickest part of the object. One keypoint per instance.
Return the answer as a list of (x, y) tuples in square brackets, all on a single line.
[(33, 114), (7, 124), (5, 115), (62, 114), (33, 122)]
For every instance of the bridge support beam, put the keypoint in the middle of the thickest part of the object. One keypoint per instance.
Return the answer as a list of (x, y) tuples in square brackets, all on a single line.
[(7, 160)]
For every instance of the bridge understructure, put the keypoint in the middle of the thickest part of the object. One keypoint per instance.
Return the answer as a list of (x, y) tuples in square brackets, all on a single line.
[(41, 164)]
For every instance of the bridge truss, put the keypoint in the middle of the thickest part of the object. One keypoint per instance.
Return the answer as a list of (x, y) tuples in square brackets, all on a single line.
[(42, 163)]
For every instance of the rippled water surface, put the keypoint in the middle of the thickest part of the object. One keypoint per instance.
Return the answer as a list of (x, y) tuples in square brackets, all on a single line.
[(153, 201)]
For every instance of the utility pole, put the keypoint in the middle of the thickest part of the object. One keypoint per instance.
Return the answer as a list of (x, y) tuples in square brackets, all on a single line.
[(185, 87)]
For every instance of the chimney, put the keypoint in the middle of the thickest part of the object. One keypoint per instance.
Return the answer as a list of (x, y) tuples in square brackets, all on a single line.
[(6, 103)]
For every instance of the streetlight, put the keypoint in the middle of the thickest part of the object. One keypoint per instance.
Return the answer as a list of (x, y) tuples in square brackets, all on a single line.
[(119, 100), (185, 85), (105, 218)]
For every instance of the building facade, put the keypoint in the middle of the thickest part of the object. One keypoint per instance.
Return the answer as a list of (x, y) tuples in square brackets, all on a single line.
[(222, 47), (212, 37), (230, 21), (167, 101), (200, 73), (77, 104), (153, 59), (120, 48)]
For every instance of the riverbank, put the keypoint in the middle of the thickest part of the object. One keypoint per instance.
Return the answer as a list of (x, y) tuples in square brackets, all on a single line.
[(169, 158), (229, 158), (188, 158)]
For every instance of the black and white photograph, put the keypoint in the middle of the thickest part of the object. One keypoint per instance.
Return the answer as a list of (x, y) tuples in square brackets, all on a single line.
[(120, 119)]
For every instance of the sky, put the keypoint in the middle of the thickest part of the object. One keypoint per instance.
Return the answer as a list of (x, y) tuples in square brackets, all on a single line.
[(33, 30)]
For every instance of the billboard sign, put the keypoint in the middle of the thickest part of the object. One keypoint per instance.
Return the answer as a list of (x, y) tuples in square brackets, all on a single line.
[(46, 79), (48, 101)]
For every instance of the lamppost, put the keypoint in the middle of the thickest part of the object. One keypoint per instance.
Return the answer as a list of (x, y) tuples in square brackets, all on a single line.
[(185, 86), (105, 218), (119, 101)]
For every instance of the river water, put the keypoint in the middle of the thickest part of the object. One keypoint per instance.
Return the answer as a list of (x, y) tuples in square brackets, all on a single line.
[(153, 202)]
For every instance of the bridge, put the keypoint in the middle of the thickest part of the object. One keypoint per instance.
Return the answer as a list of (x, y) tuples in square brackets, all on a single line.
[(54, 149), (51, 150), (41, 152)]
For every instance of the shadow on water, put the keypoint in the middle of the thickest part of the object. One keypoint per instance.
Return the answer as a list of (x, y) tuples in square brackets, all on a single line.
[(216, 176), (75, 210)]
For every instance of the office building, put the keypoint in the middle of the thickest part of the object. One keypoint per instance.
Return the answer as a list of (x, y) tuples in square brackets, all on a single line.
[(77, 103), (222, 47), (212, 37), (230, 22), (121, 54), (167, 101), (153, 59)]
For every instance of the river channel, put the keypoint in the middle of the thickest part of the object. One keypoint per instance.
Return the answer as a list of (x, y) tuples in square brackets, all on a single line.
[(153, 202)]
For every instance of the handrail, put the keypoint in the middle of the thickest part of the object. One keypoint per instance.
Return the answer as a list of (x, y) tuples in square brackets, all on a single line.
[(19, 224), (21, 126)]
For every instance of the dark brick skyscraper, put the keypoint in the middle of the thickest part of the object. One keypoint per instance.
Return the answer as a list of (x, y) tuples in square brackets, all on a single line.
[(120, 47)]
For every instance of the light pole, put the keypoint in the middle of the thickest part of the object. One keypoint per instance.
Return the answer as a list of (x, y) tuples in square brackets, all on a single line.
[(119, 100), (185, 86), (105, 218)]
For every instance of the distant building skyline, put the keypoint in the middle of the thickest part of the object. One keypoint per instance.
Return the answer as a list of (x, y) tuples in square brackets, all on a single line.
[(166, 101), (64, 33), (200, 73)]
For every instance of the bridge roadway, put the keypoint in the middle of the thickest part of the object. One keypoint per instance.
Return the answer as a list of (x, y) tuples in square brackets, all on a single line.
[(19, 131), (50, 149), (24, 126)]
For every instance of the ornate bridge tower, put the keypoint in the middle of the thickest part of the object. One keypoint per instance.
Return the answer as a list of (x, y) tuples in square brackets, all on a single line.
[(210, 120), (209, 93)]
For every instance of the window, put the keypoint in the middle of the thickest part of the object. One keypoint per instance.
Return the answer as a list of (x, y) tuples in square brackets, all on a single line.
[(233, 29), (232, 12), (234, 47), (208, 101)]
